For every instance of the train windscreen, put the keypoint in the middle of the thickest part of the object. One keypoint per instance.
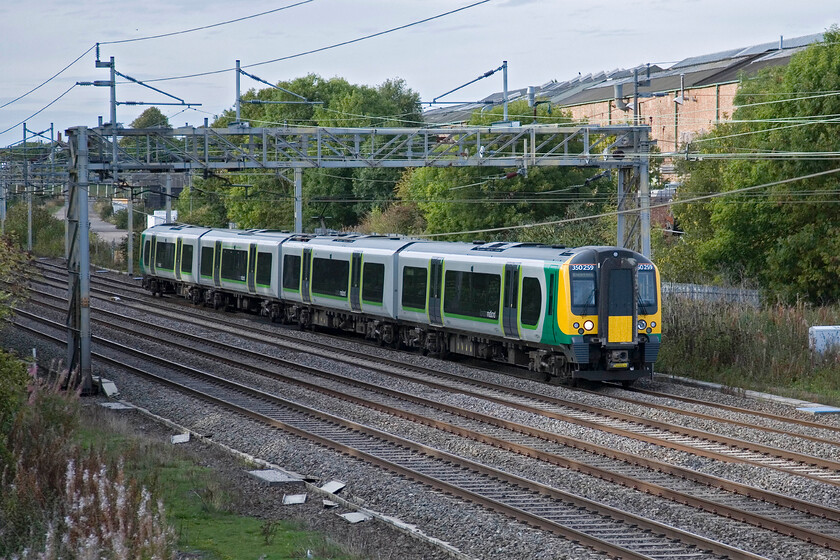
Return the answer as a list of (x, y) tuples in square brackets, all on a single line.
[(648, 301), (584, 301)]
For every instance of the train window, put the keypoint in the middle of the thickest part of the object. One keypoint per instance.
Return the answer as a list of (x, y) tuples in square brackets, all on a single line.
[(186, 258), (291, 272), (647, 292), (621, 293), (414, 288), (207, 262), (531, 301), (147, 251), (584, 294), (165, 255), (234, 265), (264, 269), (330, 277), (373, 282), (472, 294)]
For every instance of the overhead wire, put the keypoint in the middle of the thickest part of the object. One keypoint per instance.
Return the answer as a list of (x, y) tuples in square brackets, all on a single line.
[(321, 49), (42, 109), (48, 80), (95, 45), (636, 210), (391, 30), (202, 28)]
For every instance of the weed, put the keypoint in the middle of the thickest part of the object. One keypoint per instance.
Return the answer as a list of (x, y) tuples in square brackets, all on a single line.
[(742, 346), (268, 530)]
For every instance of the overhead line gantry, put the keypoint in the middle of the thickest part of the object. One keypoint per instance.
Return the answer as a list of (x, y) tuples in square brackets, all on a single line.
[(108, 151)]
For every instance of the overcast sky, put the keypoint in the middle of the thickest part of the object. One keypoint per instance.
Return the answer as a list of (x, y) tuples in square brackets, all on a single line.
[(541, 40)]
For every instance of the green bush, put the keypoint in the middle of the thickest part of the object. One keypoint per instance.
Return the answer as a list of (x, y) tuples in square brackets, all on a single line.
[(47, 230), (105, 209), (13, 380), (744, 346), (120, 219), (60, 501)]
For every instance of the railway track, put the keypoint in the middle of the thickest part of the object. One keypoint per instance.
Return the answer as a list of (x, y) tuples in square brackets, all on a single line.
[(698, 442), (805, 521), (603, 528)]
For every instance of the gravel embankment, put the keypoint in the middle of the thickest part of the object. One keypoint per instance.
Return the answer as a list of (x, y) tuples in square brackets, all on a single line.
[(471, 529)]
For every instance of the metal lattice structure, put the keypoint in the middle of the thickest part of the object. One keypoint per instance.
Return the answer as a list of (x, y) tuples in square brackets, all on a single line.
[(107, 151)]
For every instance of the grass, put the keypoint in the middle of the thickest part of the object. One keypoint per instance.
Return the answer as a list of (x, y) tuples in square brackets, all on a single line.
[(762, 348), (199, 504)]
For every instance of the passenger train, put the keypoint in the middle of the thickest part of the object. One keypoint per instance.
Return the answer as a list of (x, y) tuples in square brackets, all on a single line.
[(571, 313)]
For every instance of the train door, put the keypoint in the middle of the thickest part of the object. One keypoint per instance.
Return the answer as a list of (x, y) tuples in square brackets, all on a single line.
[(178, 245), (510, 305), (552, 279), (355, 282), (217, 264), (617, 306), (252, 268), (436, 292), (152, 254), (306, 269)]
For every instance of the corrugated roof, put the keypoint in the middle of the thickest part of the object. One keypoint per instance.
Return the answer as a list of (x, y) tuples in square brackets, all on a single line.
[(716, 68), (749, 51)]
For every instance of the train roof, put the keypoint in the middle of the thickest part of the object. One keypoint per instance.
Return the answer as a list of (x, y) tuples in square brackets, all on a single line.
[(514, 250), (176, 228), (502, 249), (185, 229), (357, 241)]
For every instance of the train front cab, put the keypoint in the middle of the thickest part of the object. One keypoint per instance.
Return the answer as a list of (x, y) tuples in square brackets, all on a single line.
[(612, 314)]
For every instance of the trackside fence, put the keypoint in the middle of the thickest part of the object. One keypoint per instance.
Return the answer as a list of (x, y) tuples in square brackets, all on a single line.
[(699, 292)]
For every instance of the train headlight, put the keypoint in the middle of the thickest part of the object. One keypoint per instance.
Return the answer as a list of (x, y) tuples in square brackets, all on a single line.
[(576, 325), (653, 324), (642, 324), (588, 325)]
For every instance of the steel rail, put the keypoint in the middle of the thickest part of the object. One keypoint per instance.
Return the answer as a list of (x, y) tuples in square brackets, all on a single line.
[(672, 536), (718, 508), (736, 446)]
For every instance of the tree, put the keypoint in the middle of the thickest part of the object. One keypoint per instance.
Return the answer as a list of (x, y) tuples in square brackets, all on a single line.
[(338, 198), (785, 236), (151, 118), (479, 198), (203, 203), (47, 230)]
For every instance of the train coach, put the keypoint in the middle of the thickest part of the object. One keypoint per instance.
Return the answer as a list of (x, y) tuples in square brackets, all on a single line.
[(570, 313)]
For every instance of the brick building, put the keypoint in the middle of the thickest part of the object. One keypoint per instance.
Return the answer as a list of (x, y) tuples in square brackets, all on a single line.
[(678, 103)]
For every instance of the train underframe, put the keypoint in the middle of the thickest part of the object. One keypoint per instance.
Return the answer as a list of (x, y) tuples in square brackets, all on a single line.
[(622, 363)]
